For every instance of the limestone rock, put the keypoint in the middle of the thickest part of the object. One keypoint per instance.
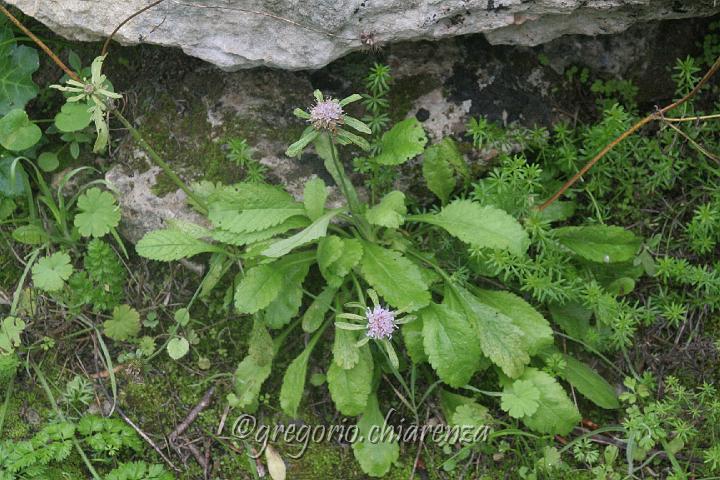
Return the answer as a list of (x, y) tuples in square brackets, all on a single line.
[(308, 34)]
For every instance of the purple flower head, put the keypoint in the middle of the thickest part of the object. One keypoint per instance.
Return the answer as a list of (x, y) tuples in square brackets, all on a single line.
[(326, 115), (381, 322)]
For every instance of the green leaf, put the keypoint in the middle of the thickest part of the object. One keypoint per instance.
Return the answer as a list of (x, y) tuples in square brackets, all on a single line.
[(296, 148), (537, 331), (12, 183), (437, 168), (588, 382), (315, 313), (249, 378), (390, 212), (573, 318), (294, 382), (350, 388), (48, 161), (99, 213), (317, 229), (556, 413), (260, 344), (600, 243), (178, 347), (451, 344), (412, 334), (247, 238), (258, 288), (501, 341), (376, 452), (10, 330), (520, 399), (471, 415), (73, 117), (124, 324), (337, 256), (286, 306), (483, 227), (314, 197), (402, 142), (250, 207), (17, 64), (50, 273), (170, 244), (394, 277), (17, 132), (346, 354), (30, 235)]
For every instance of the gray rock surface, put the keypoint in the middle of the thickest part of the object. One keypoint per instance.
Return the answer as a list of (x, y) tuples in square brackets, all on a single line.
[(308, 34)]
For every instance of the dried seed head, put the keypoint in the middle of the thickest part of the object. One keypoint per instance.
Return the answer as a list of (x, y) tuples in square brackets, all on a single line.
[(381, 322), (326, 115)]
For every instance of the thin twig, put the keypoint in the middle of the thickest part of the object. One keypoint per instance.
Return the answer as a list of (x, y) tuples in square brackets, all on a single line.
[(182, 426), (657, 115), (40, 44), (106, 45), (692, 142)]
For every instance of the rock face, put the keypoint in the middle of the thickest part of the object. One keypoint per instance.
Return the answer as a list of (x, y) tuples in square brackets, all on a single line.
[(309, 34)]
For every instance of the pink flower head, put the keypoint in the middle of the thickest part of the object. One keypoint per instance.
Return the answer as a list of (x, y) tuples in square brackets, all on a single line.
[(326, 115), (381, 322)]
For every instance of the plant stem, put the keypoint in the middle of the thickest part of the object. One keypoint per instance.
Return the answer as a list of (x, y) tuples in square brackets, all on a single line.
[(202, 206)]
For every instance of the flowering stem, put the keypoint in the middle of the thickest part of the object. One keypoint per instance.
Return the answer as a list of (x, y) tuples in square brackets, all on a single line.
[(348, 191), (202, 206)]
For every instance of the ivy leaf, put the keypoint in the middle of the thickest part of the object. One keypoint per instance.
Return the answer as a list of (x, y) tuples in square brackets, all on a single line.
[(451, 344), (394, 277), (17, 64), (99, 213), (520, 399), (437, 168), (402, 142), (258, 288), (600, 243), (314, 197), (124, 324), (17, 132), (556, 413), (170, 244), (350, 388), (390, 212), (375, 452), (10, 330), (178, 347), (316, 230), (537, 331), (73, 117), (501, 341), (50, 273), (479, 226)]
